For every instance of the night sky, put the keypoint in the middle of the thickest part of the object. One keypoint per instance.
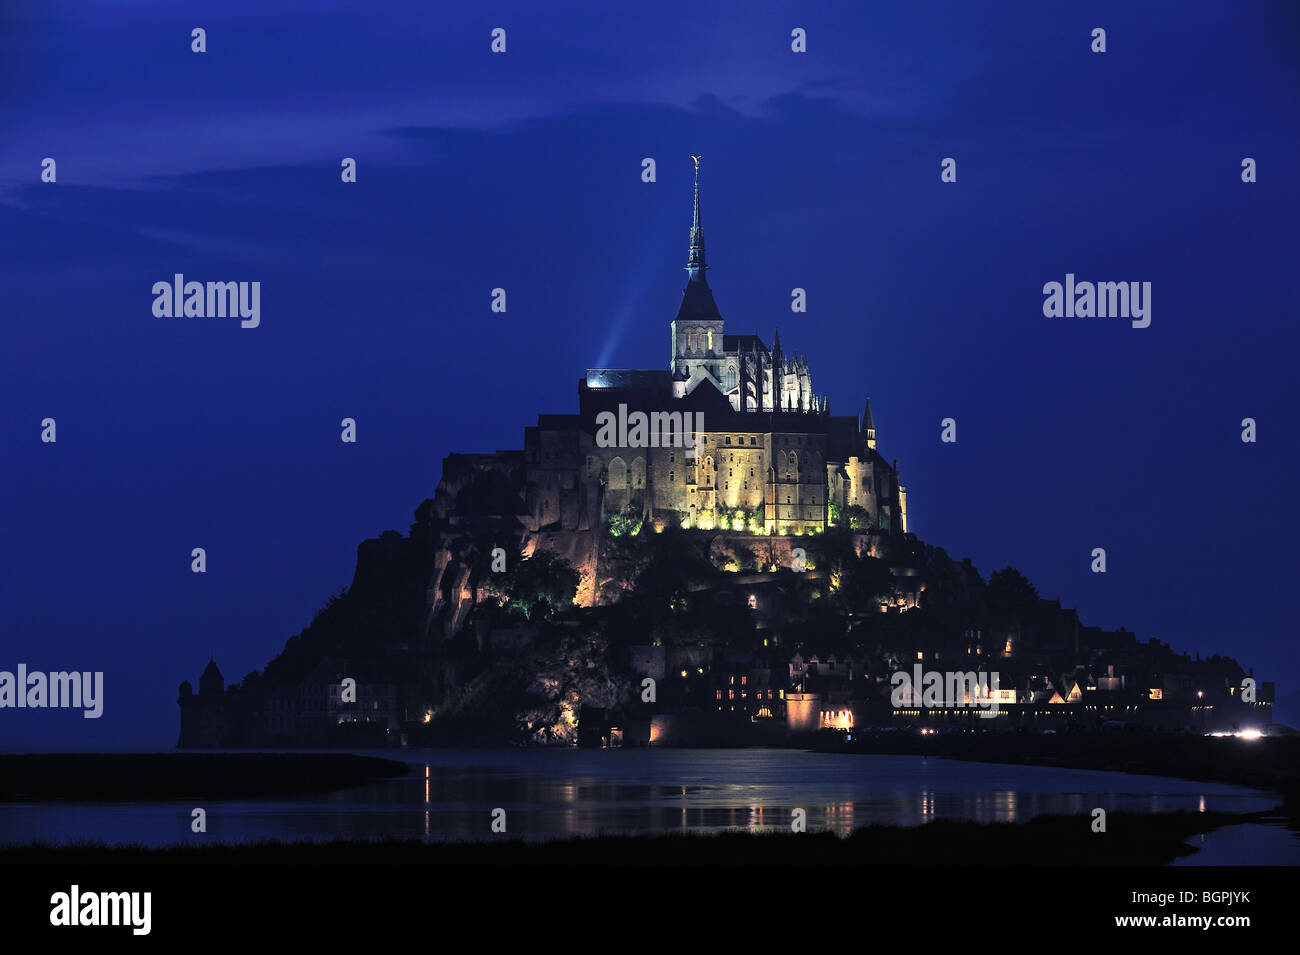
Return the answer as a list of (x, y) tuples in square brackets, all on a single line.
[(523, 171)]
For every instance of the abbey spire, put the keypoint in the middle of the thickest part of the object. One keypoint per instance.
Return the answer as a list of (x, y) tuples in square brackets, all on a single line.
[(695, 264), (697, 298)]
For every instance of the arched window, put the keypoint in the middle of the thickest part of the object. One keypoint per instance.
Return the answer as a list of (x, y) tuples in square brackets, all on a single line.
[(731, 377), (794, 465), (710, 339), (617, 474), (638, 472)]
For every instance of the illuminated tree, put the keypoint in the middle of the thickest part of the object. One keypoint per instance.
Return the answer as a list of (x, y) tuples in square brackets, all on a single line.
[(539, 587)]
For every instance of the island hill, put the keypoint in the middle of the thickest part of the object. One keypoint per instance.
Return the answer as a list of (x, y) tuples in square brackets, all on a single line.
[(729, 563)]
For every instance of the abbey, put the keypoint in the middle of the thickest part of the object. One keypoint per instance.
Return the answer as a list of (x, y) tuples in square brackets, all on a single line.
[(769, 457)]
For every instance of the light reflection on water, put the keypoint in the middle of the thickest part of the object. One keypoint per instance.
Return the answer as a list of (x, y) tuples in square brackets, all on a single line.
[(450, 794)]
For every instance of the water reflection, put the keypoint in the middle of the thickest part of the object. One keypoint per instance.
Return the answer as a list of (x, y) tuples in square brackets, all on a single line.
[(450, 795)]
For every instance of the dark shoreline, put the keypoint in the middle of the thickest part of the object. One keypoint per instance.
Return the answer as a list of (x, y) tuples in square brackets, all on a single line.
[(152, 777)]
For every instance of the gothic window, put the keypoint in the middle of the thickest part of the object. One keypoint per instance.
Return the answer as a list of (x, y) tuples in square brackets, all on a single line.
[(638, 472), (617, 474), (731, 377), (710, 339)]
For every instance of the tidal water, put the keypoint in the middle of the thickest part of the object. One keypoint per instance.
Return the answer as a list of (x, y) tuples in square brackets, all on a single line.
[(451, 795)]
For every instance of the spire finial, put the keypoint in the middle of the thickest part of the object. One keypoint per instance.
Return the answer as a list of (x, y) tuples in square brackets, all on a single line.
[(695, 264)]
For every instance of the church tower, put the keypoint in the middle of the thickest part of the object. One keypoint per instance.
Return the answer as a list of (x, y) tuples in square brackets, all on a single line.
[(697, 329)]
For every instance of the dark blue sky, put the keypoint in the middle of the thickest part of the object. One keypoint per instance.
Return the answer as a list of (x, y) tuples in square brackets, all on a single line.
[(522, 170)]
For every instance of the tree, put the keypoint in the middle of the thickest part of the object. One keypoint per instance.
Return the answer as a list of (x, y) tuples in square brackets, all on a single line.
[(865, 582), (1010, 594), (859, 518), (856, 583), (675, 566), (541, 586), (627, 523)]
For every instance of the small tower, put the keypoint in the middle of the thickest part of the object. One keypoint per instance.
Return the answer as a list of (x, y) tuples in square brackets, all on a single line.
[(869, 426), (211, 683)]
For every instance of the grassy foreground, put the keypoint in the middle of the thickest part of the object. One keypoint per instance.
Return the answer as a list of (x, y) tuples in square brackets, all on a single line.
[(98, 777)]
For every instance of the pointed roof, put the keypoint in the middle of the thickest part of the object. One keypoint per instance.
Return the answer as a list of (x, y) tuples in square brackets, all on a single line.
[(695, 263), (211, 681), (868, 422), (697, 297)]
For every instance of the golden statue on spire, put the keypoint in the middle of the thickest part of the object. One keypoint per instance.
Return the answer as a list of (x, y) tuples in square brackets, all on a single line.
[(697, 162)]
